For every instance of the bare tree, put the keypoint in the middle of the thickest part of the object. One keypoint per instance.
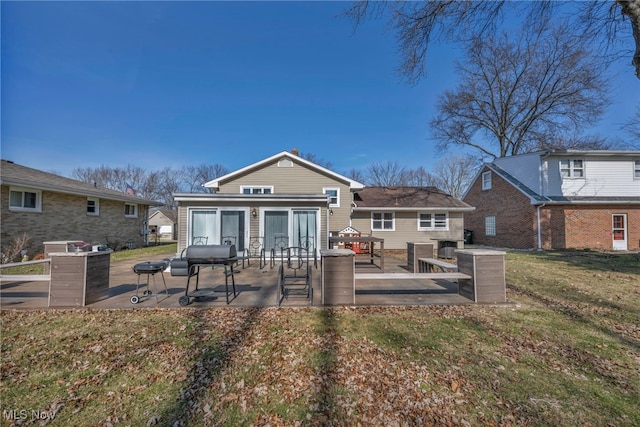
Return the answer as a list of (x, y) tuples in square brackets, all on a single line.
[(385, 174), (454, 173), (514, 94), (418, 177), (632, 128), (195, 176), (418, 24), (314, 159), (356, 175)]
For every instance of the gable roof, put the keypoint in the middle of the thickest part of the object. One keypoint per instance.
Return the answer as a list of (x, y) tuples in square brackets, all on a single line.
[(170, 214), (23, 176), (354, 185), (407, 198)]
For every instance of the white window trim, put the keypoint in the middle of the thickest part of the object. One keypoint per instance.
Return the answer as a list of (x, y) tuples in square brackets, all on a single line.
[(636, 169), (135, 207), (486, 183), (97, 205), (38, 194), (433, 221), (333, 205), (572, 169), (252, 187), (393, 221)]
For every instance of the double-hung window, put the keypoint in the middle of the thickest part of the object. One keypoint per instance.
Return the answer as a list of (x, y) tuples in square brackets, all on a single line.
[(433, 221), (382, 221), (636, 169), (486, 180), (93, 206), (334, 196), (256, 189), (23, 199), (572, 168), (130, 210)]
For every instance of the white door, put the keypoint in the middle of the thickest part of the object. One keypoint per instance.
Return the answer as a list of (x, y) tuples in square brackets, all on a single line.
[(619, 232)]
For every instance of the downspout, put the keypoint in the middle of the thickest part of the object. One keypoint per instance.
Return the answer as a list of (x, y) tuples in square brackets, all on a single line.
[(538, 207)]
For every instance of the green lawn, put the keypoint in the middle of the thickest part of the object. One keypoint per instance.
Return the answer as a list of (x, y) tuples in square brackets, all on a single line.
[(565, 352)]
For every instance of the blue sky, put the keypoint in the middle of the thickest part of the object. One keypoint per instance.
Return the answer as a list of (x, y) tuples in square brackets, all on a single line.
[(158, 84)]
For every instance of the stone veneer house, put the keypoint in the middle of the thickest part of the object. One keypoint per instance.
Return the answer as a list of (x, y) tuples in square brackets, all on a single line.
[(558, 199), (289, 199), (48, 207)]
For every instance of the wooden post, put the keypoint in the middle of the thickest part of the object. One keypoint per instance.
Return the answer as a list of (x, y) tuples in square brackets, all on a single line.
[(338, 277)]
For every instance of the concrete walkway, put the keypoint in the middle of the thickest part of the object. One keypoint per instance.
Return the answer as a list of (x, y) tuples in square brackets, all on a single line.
[(255, 287)]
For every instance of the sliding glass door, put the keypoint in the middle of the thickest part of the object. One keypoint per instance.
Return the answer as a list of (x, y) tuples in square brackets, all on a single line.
[(232, 228), (305, 229), (203, 227), (276, 230)]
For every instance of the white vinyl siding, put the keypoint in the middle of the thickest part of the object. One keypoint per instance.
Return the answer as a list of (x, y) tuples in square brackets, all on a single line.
[(24, 199), (382, 221), (433, 221)]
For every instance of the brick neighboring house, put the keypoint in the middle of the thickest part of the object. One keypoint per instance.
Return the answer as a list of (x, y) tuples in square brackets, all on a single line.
[(558, 199), (49, 207)]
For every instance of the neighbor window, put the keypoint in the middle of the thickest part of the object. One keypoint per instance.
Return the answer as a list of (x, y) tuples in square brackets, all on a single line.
[(382, 221), (490, 225), (572, 168), (636, 170), (256, 190), (486, 180), (433, 221), (130, 210), (93, 206), (334, 196), (22, 199)]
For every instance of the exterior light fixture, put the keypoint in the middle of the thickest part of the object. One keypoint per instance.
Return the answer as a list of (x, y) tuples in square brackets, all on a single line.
[(254, 212)]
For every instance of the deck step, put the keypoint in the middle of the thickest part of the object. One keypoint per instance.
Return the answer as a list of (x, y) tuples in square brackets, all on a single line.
[(409, 276)]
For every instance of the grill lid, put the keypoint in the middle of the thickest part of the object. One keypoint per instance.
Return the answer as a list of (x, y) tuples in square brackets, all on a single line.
[(210, 253)]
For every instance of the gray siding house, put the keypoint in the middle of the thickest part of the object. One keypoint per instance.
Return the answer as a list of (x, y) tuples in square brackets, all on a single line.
[(49, 207), (286, 200)]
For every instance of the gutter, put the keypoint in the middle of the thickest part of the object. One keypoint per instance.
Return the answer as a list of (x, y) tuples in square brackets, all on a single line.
[(538, 207)]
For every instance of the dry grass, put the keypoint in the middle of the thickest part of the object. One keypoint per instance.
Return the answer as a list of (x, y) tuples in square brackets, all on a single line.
[(566, 352)]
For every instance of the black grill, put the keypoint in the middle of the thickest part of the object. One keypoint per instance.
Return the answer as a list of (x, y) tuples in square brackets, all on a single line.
[(196, 256)]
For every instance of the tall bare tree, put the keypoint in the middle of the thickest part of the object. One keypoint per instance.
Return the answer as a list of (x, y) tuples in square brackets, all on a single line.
[(384, 174), (195, 176), (611, 25), (632, 128), (418, 177), (454, 173), (518, 95)]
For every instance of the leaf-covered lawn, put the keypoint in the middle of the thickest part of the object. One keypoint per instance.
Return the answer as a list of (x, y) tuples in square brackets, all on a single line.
[(550, 358)]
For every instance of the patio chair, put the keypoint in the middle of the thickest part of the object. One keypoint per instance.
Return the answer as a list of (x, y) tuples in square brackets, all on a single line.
[(294, 275)]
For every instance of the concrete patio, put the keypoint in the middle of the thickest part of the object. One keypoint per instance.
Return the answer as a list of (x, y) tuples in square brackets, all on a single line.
[(254, 286)]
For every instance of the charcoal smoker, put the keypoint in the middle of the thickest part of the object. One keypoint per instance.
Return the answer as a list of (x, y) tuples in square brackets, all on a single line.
[(195, 257)]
